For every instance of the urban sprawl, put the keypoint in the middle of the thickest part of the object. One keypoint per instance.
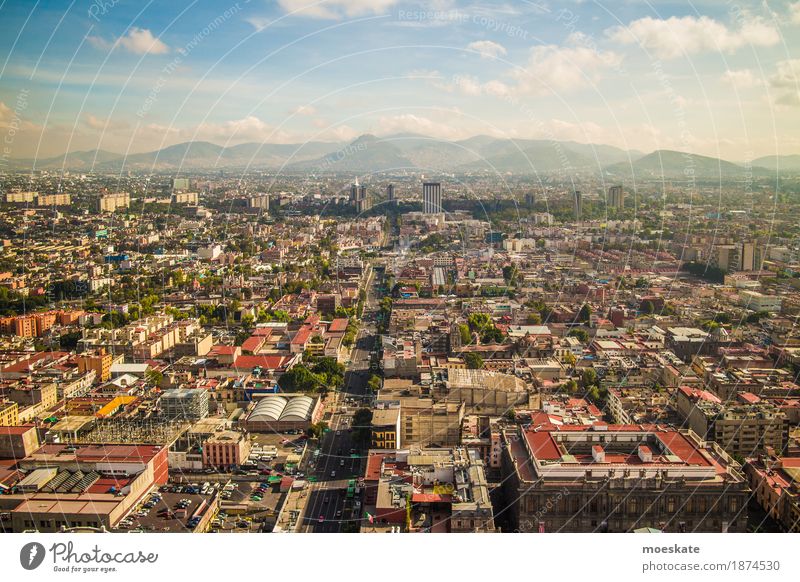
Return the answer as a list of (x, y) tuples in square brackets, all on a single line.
[(398, 353)]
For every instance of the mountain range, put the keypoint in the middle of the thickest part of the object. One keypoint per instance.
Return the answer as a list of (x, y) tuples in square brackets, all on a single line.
[(418, 153)]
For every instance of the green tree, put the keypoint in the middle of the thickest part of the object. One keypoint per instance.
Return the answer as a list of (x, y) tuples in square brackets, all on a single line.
[(585, 314), (473, 361), (579, 333)]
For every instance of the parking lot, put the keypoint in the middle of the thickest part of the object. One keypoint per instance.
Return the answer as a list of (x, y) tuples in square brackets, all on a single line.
[(166, 511)]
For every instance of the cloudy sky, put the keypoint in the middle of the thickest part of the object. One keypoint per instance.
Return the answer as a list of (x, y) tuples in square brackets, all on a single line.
[(711, 77)]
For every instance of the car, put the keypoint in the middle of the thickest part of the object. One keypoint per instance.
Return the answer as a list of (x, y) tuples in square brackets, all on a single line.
[(326, 499), (338, 513), (341, 462), (321, 518), (338, 433), (333, 473)]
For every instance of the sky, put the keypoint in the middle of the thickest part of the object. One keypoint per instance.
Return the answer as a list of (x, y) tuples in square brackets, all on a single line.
[(709, 77)]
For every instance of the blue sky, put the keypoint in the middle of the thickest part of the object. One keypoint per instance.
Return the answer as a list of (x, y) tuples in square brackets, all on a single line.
[(710, 77)]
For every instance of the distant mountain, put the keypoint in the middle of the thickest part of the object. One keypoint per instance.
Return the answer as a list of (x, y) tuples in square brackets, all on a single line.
[(420, 153), (671, 164), (367, 154), (74, 160), (778, 163)]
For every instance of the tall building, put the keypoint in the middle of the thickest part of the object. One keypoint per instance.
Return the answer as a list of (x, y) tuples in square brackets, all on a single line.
[(112, 202), (530, 199), (578, 204), (616, 198), (390, 196), (432, 197), (258, 201), (360, 197)]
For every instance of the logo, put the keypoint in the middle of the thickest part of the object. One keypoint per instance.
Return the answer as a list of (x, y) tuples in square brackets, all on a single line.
[(31, 555)]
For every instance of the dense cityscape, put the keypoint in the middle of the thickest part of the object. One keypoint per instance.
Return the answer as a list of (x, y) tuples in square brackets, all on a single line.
[(354, 267), (393, 352)]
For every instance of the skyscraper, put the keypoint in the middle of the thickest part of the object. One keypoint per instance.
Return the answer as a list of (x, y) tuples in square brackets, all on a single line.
[(390, 194), (431, 197), (360, 197), (578, 204), (616, 197)]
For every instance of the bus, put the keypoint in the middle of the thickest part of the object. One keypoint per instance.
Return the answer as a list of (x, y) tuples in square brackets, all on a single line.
[(351, 488)]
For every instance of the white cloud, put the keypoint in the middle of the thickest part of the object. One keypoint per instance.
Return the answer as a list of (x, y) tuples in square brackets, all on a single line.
[(794, 13), (787, 79), (249, 128), (787, 75), (138, 41), (335, 9), (742, 79), (258, 22), (487, 48), (554, 68), (304, 110), (677, 36)]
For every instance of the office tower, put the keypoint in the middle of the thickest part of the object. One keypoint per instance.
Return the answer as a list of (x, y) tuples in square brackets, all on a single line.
[(431, 197), (390, 197), (530, 199), (360, 197), (616, 198), (578, 205)]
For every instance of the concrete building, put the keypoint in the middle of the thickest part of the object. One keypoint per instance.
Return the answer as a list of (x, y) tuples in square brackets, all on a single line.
[(82, 486), (756, 301), (745, 427), (99, 361), (17, 442), (258, 201), (186, 403), (616, 198), (432, 198), (430, 490), (113, 202), (775, 482), (188, 198), (618, 478), (226, 449), (385, 429)]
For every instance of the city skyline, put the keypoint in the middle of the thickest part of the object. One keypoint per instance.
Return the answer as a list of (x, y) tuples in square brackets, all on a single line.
[(707, 79)]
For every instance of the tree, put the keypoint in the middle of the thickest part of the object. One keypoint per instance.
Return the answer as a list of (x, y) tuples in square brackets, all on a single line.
[(474, 361), (316, 430), (374, 383), (534, 319), (466, 336), (647, 307), (585, 314), (589, 377), (581, 334), (362, 425), (153, 378)]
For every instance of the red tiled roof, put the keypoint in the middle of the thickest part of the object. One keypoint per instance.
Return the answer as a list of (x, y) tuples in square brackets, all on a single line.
[(337, 325), (266, 362)]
